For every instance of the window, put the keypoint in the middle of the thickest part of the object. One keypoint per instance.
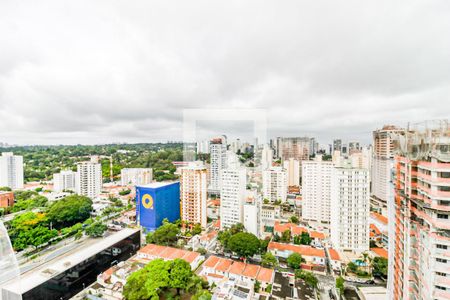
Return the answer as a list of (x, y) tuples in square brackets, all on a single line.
[(441, 216), (441, 260), (439, 246)]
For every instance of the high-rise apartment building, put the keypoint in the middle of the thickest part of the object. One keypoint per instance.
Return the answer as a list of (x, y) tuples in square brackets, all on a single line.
[(419, 214), (11, 170), (275, 184), (299, 148), (203, 147), (251, 212), (383, 165), (266, 157), (218, 158), (232, 195), (64, 180), (337, 145), (292, 167), (353, 147), (136, 176), (316, 190), (89, 178), (349, 209), (193, 194)]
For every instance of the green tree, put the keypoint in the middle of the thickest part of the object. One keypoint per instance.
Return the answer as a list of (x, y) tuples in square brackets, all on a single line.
[(70, 210), (294, 260), (308, 277), (202, 251), (286, 236), (202, 295), (146, 282), (269, 260), (294, 219), (340, 285), (41, 235), (236, 228), (244, 244), (380, 266), (96, 229), (166, 234), (224, 237), (264, 244), (180, 274), (352, 267), (5, 189), (305, 238), (124, 192), (257, 286), (197, 229), (158, 277)]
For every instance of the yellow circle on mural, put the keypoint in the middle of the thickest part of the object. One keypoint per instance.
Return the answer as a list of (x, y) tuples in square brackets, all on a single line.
[(147, 201)]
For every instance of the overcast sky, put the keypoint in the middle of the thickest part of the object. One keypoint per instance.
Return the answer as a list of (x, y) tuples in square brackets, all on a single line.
[(123, 71)]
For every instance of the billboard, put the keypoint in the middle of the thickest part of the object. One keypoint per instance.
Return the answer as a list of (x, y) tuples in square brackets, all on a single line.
[(157, 201)]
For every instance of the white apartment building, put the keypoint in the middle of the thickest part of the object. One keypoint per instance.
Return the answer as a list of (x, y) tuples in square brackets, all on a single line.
[(64, 180), (136, 176), (193, 194), (349, 226), (251, 212), (11, 170), (292, 167), (218, 157), (316, 190), (203, 147), (89, 178), (275, 184), (266, 157), (232, 195)]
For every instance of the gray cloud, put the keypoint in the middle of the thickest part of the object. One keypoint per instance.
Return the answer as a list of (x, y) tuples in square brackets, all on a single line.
[(112, 71)]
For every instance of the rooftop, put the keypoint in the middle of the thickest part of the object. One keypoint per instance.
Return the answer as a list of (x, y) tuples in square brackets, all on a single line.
[(380, 218), (380, 252), (168, 252), (300, 249), (155, 185), (334, 255), (39, 275)]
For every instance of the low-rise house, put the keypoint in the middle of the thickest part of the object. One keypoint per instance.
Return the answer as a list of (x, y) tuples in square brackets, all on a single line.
[(316, 236), (216, 269), (111, 282), (380, 252), (314, 257), (152, 251), (335, 261), (379, 223)]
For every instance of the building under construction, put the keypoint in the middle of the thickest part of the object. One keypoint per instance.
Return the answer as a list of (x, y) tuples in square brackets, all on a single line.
[(419, 225)]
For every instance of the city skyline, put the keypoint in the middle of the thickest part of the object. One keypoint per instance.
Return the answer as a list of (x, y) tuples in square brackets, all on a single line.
[(125, 73)]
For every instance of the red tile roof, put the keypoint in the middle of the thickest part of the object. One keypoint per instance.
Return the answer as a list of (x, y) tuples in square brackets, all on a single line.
[(251, 271), (190, 256), (168, 252), (317, 235), (374, 228), (211, 262), (224, 264), (380, 252), (301, 249), (237, 268), (334, 255), (379, 217), (265, 275), (208, 236)]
